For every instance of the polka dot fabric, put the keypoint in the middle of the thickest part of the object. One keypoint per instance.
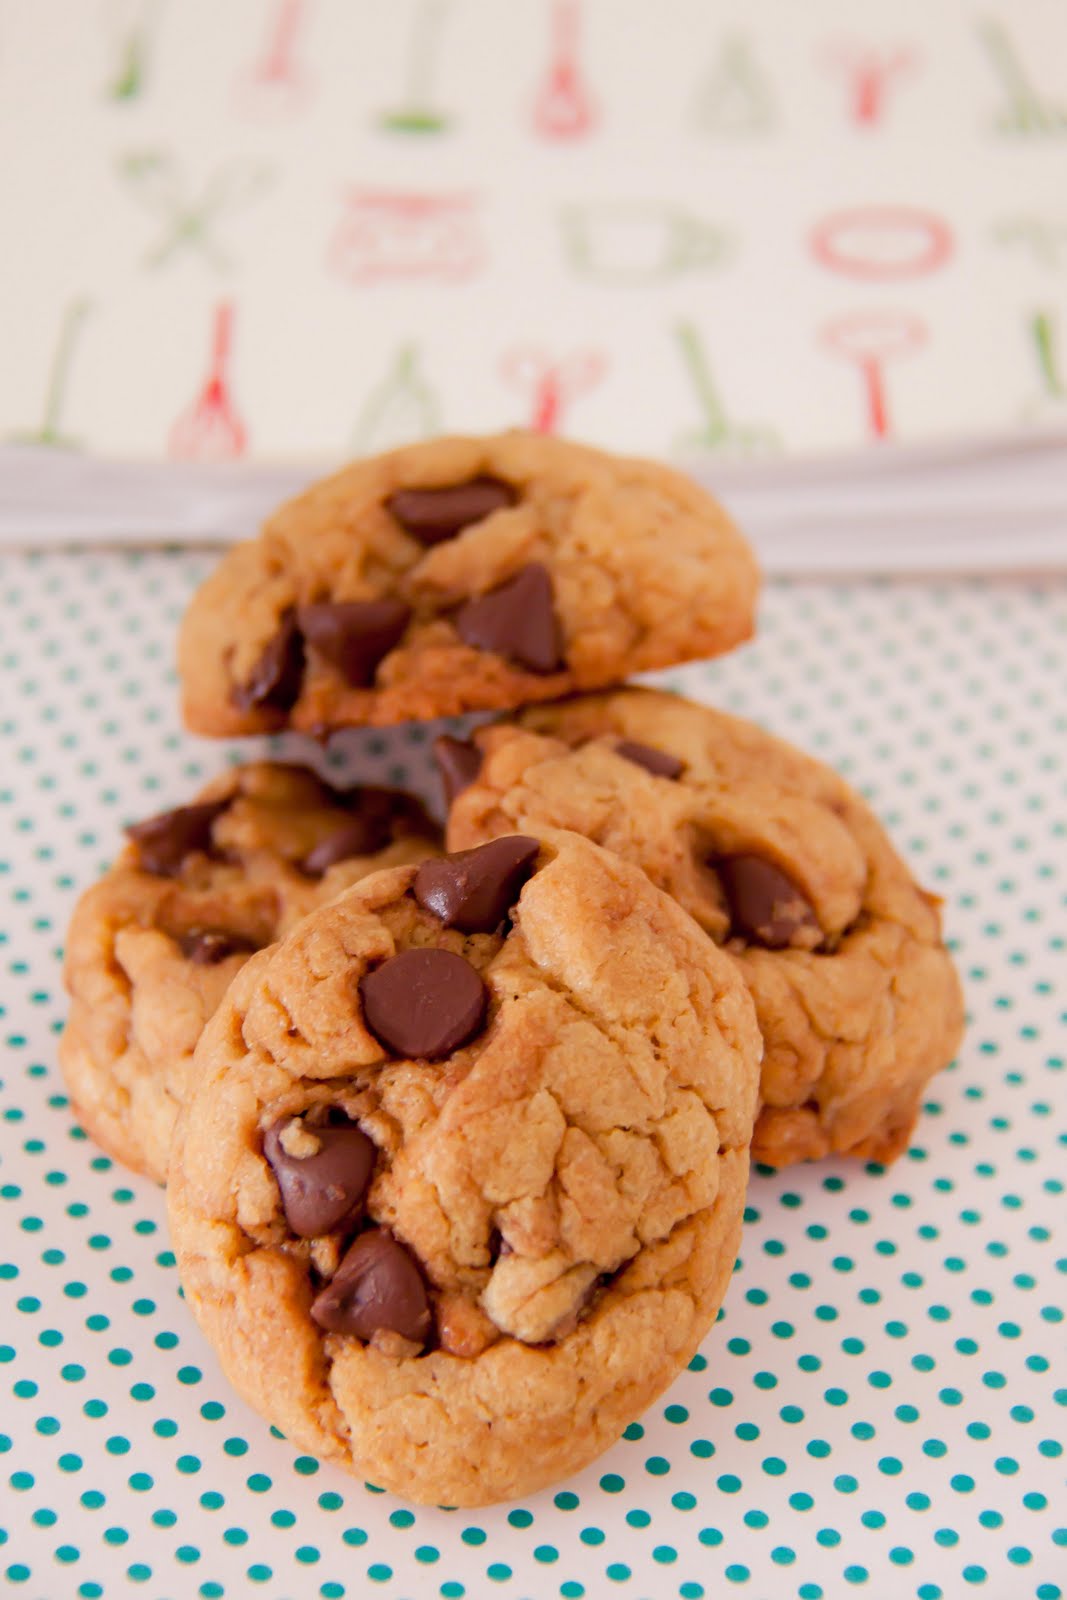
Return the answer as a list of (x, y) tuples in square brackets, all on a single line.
[(878, 1408)]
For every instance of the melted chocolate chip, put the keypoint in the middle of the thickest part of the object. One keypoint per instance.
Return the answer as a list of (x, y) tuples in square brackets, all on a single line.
[(274, 684), (458, 764), (354, 635), (324, 1191), (766, 907), (377, 1287), (423, 1003), (474, 890), (517, 620), (360, 836), (658, 762), (206, 947), (375, 817), (433, 515), (163, 842)]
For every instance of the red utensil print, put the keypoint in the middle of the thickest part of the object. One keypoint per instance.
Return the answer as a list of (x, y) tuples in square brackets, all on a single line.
[(211, 430), (870, 339), (881, 244), (551, 385), (383, 234), (869, 71), (276, 84), (563, 107)]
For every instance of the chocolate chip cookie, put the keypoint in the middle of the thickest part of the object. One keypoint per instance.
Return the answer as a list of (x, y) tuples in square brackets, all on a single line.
[(153, 945), (462, 575), (458, 1186), (780, 862)]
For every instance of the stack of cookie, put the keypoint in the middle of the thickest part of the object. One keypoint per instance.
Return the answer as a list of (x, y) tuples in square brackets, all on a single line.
[(456, 1129)]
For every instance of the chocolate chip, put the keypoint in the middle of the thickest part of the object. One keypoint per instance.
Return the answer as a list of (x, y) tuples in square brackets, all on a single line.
[(274, 684), (474, 890), (206, 947), (433, 515), (765, 906), (423, 1003), (359, 837), (458, 764), (354, 635), (376, 1287), (375, 816), (516, 620), (324, 1191), (163, 842), (658, 762)]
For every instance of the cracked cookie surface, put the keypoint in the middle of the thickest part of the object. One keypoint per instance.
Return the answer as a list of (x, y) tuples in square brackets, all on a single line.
[(781, 862), (548, 1216), (153, 945), (460, 575)]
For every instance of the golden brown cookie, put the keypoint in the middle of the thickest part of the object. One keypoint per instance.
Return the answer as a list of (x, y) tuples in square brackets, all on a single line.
[(462, 575), (781, 862), (458, 1187), (153, 945)]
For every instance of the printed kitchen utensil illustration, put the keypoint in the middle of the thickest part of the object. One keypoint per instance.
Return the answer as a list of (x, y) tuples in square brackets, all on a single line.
[(647, 222)]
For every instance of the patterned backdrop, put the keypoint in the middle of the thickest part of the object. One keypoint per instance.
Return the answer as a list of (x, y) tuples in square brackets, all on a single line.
[(299, 227)]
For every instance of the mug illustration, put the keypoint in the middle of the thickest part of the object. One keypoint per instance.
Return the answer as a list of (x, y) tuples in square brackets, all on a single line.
[(1044, 237), (639, 242)]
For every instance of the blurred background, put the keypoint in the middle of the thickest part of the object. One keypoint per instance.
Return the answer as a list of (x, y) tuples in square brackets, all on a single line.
[(302, 228)]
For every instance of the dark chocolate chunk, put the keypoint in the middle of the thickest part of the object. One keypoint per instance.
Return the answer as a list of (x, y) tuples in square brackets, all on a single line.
[(206, 947), (163, 842), (377, 1287), (458, 763), (474, 890), (274, 684), (354, 635), (658, 762), (360, 836), (517, 620), (433, 515), (322, 1192), (423, 1003), (766, 907)]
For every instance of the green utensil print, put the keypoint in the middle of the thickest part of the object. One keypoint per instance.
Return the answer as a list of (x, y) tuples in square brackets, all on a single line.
[(402, 407), (56, 389), (1046, 238), (717, 434), (158, 184), (1026, 109), (639, 242), (417, 112), (133, 52), (1043, 332), (735, 98)]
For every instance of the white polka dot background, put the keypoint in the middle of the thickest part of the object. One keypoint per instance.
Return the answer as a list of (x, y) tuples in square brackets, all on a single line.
[(877, 1410)]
